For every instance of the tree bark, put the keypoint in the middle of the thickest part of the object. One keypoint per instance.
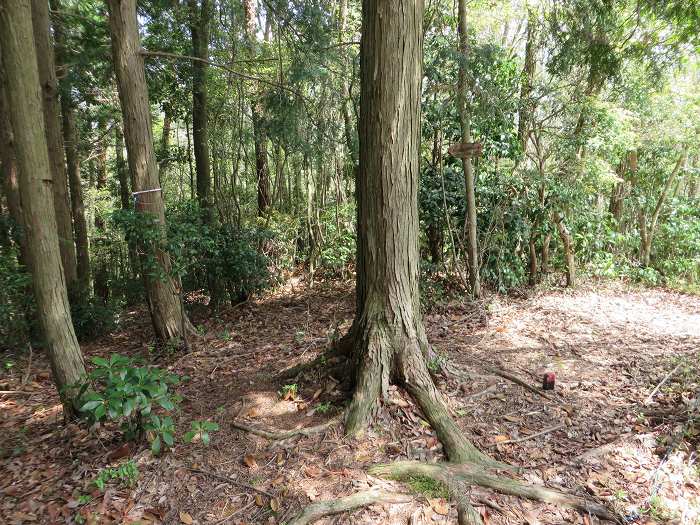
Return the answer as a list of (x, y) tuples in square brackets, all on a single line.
[(465, 124), (54, 138), (570, 259), (389, 339), (10, 175), (70, 142), (199, 29), (25, 110), (169, 320), (647, 229), (526, 106)]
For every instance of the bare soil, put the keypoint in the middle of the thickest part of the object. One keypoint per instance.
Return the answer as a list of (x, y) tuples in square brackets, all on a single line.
[(609, 345)]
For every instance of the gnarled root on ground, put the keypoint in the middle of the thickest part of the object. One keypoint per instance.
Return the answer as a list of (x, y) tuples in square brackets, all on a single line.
[(320, 509)]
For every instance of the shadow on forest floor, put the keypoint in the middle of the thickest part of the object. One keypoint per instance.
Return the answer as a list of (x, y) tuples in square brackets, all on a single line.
[(609, 346)]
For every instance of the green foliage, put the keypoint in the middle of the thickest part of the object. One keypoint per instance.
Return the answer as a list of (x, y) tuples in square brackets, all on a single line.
[(289, 391), (325, 407), (119, 390), (127, 474), (93, 318), (16, 303), (200, 432)]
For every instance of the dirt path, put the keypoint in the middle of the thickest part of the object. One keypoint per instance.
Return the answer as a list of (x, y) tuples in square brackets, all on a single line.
[(609, 347)]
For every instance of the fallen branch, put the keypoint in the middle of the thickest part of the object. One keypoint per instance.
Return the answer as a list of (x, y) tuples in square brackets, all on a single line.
[(518, 381), (472, 475), (663, 381), (318, 510), (279, 435), (232, 481), (528, 437)]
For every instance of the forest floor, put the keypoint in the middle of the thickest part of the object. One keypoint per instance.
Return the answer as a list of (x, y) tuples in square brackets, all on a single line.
[(610, 345)]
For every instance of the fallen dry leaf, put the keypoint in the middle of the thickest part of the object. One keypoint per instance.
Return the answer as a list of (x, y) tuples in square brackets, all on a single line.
[(186, 518), (440, 506), (249, 461)]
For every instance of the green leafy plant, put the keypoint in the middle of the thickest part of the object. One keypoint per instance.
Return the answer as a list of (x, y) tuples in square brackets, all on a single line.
[(289, 391), (323, 408), (200, 431), (127, 473), (119, 390)]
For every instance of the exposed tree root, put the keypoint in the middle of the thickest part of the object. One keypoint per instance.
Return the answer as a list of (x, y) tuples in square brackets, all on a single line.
[(279, 435), (473, 475), (318, 510)]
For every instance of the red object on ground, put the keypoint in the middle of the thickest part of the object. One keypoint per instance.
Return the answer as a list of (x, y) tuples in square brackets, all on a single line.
[(548, 381)]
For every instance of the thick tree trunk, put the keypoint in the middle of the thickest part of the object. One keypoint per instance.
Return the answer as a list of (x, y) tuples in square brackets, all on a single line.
[(25, 110), (169, 320), (389, 338), (465, 124), (568, 244), (124, 192), (54, 138)]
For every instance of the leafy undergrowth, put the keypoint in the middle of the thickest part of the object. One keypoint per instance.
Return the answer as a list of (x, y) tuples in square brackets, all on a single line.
[(608, 346)]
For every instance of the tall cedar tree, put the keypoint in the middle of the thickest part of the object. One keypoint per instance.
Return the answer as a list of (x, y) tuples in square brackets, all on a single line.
[(35, 185), (168, 316), (389, 338), (54, 137)]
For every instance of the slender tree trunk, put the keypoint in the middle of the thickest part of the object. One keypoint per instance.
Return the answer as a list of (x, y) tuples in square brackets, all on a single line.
[(82, 242), (169, 320), (101, 272), (465, 124), (259, 136), (389, 338), (25, 103), (70, 142), (532, 274), (124, 192), (199, 29), (526, 106), (568, 244), (544, 259), (9, 174), (54, 138), (648, 230)]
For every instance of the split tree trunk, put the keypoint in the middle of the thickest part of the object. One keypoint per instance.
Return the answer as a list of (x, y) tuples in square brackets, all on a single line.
[(169, 320), (25, 110), (54, 138), (465, 124), (389, 338)]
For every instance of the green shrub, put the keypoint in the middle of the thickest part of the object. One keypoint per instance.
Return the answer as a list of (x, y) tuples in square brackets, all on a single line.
[(127, 473), (16, 300), (119, 390)]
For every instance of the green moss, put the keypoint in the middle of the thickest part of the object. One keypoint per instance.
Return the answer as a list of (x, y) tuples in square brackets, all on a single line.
[(427, 486)]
